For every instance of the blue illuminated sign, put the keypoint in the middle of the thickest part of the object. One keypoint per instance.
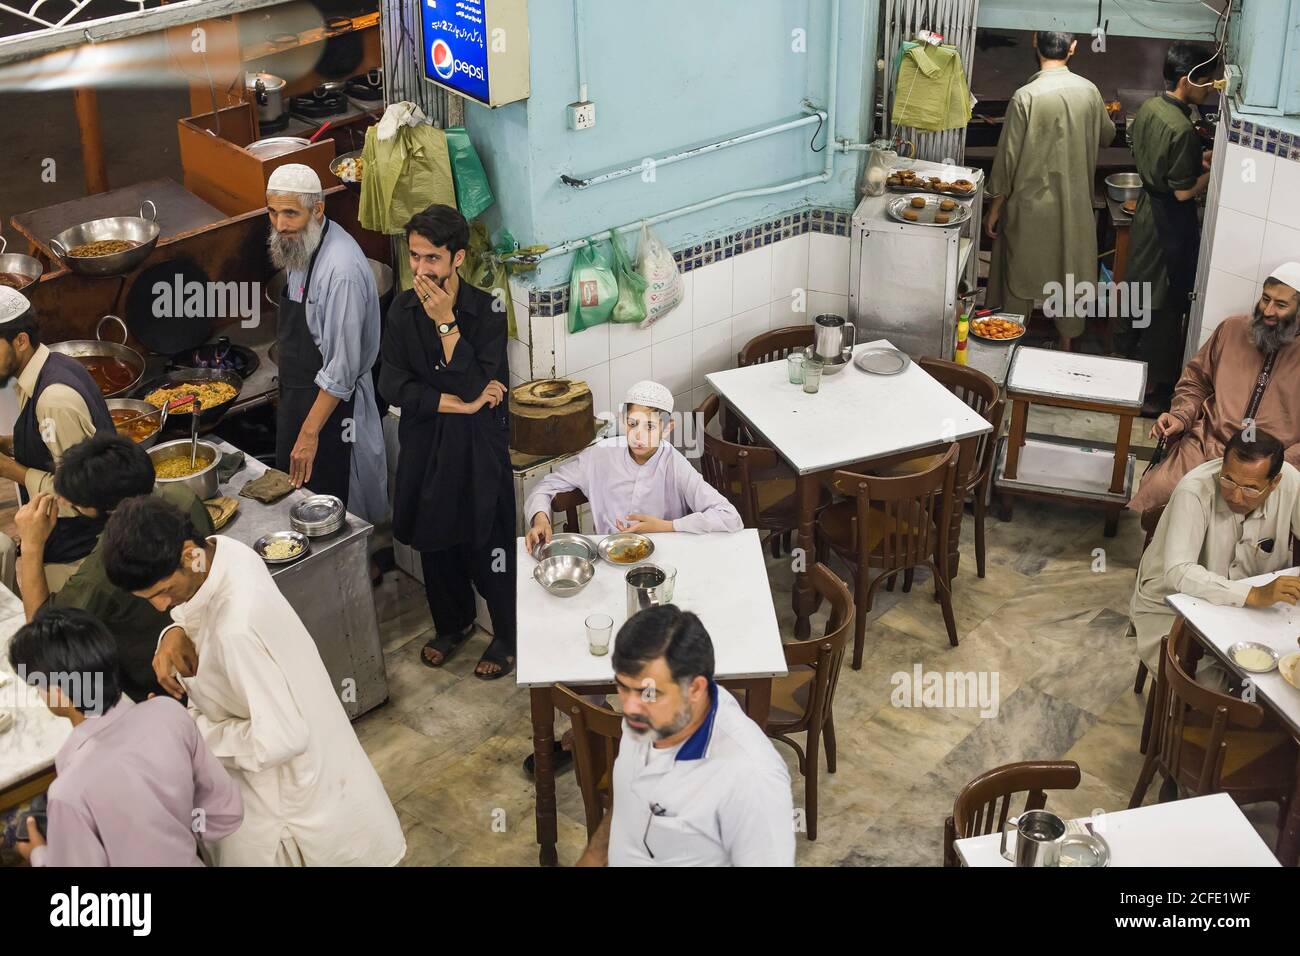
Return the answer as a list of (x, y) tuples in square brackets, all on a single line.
[(454, 37)]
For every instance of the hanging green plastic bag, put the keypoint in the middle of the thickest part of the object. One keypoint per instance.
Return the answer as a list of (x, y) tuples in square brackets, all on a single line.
[(484, 270), (631, 287), (473, 194), (593, 287)]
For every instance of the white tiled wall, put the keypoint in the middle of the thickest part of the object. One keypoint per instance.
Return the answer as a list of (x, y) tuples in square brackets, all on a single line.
[(1255, 230), (725, 305)]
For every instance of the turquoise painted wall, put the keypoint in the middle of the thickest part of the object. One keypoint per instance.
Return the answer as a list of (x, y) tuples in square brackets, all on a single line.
[(665, 76), (1140, 18)]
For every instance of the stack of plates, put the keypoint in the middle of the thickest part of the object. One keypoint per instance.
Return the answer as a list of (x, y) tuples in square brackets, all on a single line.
[(317, 516)]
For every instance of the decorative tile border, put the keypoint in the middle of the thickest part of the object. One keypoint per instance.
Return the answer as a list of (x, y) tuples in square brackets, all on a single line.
[(1253, 134), (555, 301)]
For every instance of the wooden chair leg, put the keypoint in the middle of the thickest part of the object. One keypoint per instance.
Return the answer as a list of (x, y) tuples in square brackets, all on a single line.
[(1141, 678), (979, 532), (944, 594), (829, 733), (1144, 782), (810, 784), (1147, 720), (889, 584), (859, 629), (907, 580)]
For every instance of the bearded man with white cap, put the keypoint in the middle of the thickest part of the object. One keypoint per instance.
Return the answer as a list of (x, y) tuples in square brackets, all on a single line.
[(59, 405), (328, 434), (1247, 372)]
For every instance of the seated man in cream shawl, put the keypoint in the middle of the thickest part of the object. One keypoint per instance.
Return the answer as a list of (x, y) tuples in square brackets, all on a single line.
[(262, 699)]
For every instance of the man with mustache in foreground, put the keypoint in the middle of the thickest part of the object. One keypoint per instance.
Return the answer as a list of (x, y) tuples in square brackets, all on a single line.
[(1249, 368)]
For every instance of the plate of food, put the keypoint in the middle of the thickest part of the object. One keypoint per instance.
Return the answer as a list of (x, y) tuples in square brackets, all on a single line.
[(282, 547), (922, 210), (907, 180), (1253, 657), (1288, 669), (996, 328), (625, 548)]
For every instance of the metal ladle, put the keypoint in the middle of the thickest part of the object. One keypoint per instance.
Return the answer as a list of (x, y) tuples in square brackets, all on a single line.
[(194, 433)]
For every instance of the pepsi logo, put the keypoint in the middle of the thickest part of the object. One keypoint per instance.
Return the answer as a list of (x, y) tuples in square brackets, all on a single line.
[(444, 63)]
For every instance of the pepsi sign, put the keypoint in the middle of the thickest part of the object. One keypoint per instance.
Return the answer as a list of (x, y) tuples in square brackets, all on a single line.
[(454, 36)]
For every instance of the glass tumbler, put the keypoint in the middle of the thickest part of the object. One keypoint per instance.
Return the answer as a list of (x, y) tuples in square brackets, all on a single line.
[(794, 365), (812, 376), (600, 627)]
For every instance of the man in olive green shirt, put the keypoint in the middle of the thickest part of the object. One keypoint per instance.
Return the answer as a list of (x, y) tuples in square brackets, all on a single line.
[(1166, 234), (1040, 214), (94, 477)]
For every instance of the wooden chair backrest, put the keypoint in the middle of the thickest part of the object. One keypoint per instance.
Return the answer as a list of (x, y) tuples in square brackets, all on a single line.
[(596, 735), (823, 654), (985, 398), (777, 344), (984, 804), (730, 466), (567, 503)]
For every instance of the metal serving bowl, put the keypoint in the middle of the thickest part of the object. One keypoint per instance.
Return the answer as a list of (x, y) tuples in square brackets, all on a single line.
[(564, 575), (25, 267), (576, 545), (138, 407), (334, 168), (260, 546), (613, 544), (98, 348), (143, 232), (1122, 187), (204, 481), (317, 516)]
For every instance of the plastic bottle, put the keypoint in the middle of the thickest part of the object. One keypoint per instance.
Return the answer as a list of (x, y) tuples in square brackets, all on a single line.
[(963, 332)]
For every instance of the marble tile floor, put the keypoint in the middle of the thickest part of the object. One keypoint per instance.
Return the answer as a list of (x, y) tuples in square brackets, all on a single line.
[(1048, 621)]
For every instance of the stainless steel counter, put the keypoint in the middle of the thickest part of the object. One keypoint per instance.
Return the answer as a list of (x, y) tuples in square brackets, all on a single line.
[(329, 588)]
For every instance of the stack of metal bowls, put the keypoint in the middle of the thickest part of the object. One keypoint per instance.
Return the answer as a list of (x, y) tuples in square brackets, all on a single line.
[(317, 516)]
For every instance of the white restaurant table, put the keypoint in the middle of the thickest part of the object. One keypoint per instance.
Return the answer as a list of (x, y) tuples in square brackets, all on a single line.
[(27, 749), (1219, 627), (720, 577), (1199, 831), (856, 417)]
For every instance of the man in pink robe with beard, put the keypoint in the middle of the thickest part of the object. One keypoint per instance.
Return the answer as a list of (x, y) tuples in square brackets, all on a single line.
[(1214, 394)]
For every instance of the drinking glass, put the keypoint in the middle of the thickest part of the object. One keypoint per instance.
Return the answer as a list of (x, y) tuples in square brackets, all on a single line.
[(812, 376), (670, 581), (599, 629), (794, 365)]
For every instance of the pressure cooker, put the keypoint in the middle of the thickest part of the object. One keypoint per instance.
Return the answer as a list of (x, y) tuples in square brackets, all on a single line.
[(267, 91)]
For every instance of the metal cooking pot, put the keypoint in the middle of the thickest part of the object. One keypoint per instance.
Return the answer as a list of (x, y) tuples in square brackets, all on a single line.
[(383, 282), (267, 92), (139, 407), (203, 482), (98, 348), (143, 232), (25, 267), (181, 376), (1122, 187)]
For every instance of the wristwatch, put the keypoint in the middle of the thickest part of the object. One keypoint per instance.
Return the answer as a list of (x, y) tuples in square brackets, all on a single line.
[(446, 328)]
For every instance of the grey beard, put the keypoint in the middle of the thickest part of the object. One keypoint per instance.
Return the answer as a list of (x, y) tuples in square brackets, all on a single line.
[(1268, 339), (294, 252)]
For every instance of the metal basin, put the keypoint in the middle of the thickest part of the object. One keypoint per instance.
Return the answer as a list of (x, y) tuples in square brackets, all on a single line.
[(138, 229), (138, 407), (576, 545), (204, 481), (26, 268), (98, 348), (1122, 187), (564, 575)]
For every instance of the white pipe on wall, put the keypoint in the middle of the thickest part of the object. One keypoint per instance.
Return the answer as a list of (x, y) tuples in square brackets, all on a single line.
[(825, 176), (579, 34)]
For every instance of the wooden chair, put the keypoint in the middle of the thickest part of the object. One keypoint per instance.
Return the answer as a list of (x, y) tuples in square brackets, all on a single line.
[(596, 735), (754, 479), (803, 701), (567, 503), (777, 344), (977, 811), (985, 398), (1210, 742), (893, 525)]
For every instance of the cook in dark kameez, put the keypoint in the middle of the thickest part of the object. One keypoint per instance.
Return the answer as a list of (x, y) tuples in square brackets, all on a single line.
[(444, 366)]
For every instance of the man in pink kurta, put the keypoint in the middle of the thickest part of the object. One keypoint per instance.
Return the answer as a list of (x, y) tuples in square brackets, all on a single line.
[(1212, 397)]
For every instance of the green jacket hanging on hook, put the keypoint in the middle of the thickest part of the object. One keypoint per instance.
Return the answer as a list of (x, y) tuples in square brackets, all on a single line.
[(930, 93)]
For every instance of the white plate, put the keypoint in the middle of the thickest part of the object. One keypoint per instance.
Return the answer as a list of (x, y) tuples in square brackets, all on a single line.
[(1254, 646)]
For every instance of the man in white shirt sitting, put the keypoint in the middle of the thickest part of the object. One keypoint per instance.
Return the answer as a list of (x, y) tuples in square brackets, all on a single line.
[(1227, 519), (696, 782), (261, 696)]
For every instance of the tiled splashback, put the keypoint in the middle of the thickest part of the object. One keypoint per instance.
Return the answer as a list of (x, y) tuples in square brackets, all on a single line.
[(1254, 135), (778, 273)]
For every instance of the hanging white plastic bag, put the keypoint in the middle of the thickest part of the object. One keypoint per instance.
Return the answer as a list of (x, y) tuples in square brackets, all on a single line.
[(664, 284)]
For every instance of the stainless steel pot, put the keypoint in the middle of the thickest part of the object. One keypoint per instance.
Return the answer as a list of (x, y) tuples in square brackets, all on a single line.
[(138, 407), (98, 348), (1122, 187), (143, 232), (28, 268), (647, 586), (267, 91), (203, 482)]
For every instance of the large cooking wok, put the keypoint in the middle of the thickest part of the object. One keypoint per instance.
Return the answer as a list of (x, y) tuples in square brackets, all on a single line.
[(141, 232), (98, 348), (209, 415)]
